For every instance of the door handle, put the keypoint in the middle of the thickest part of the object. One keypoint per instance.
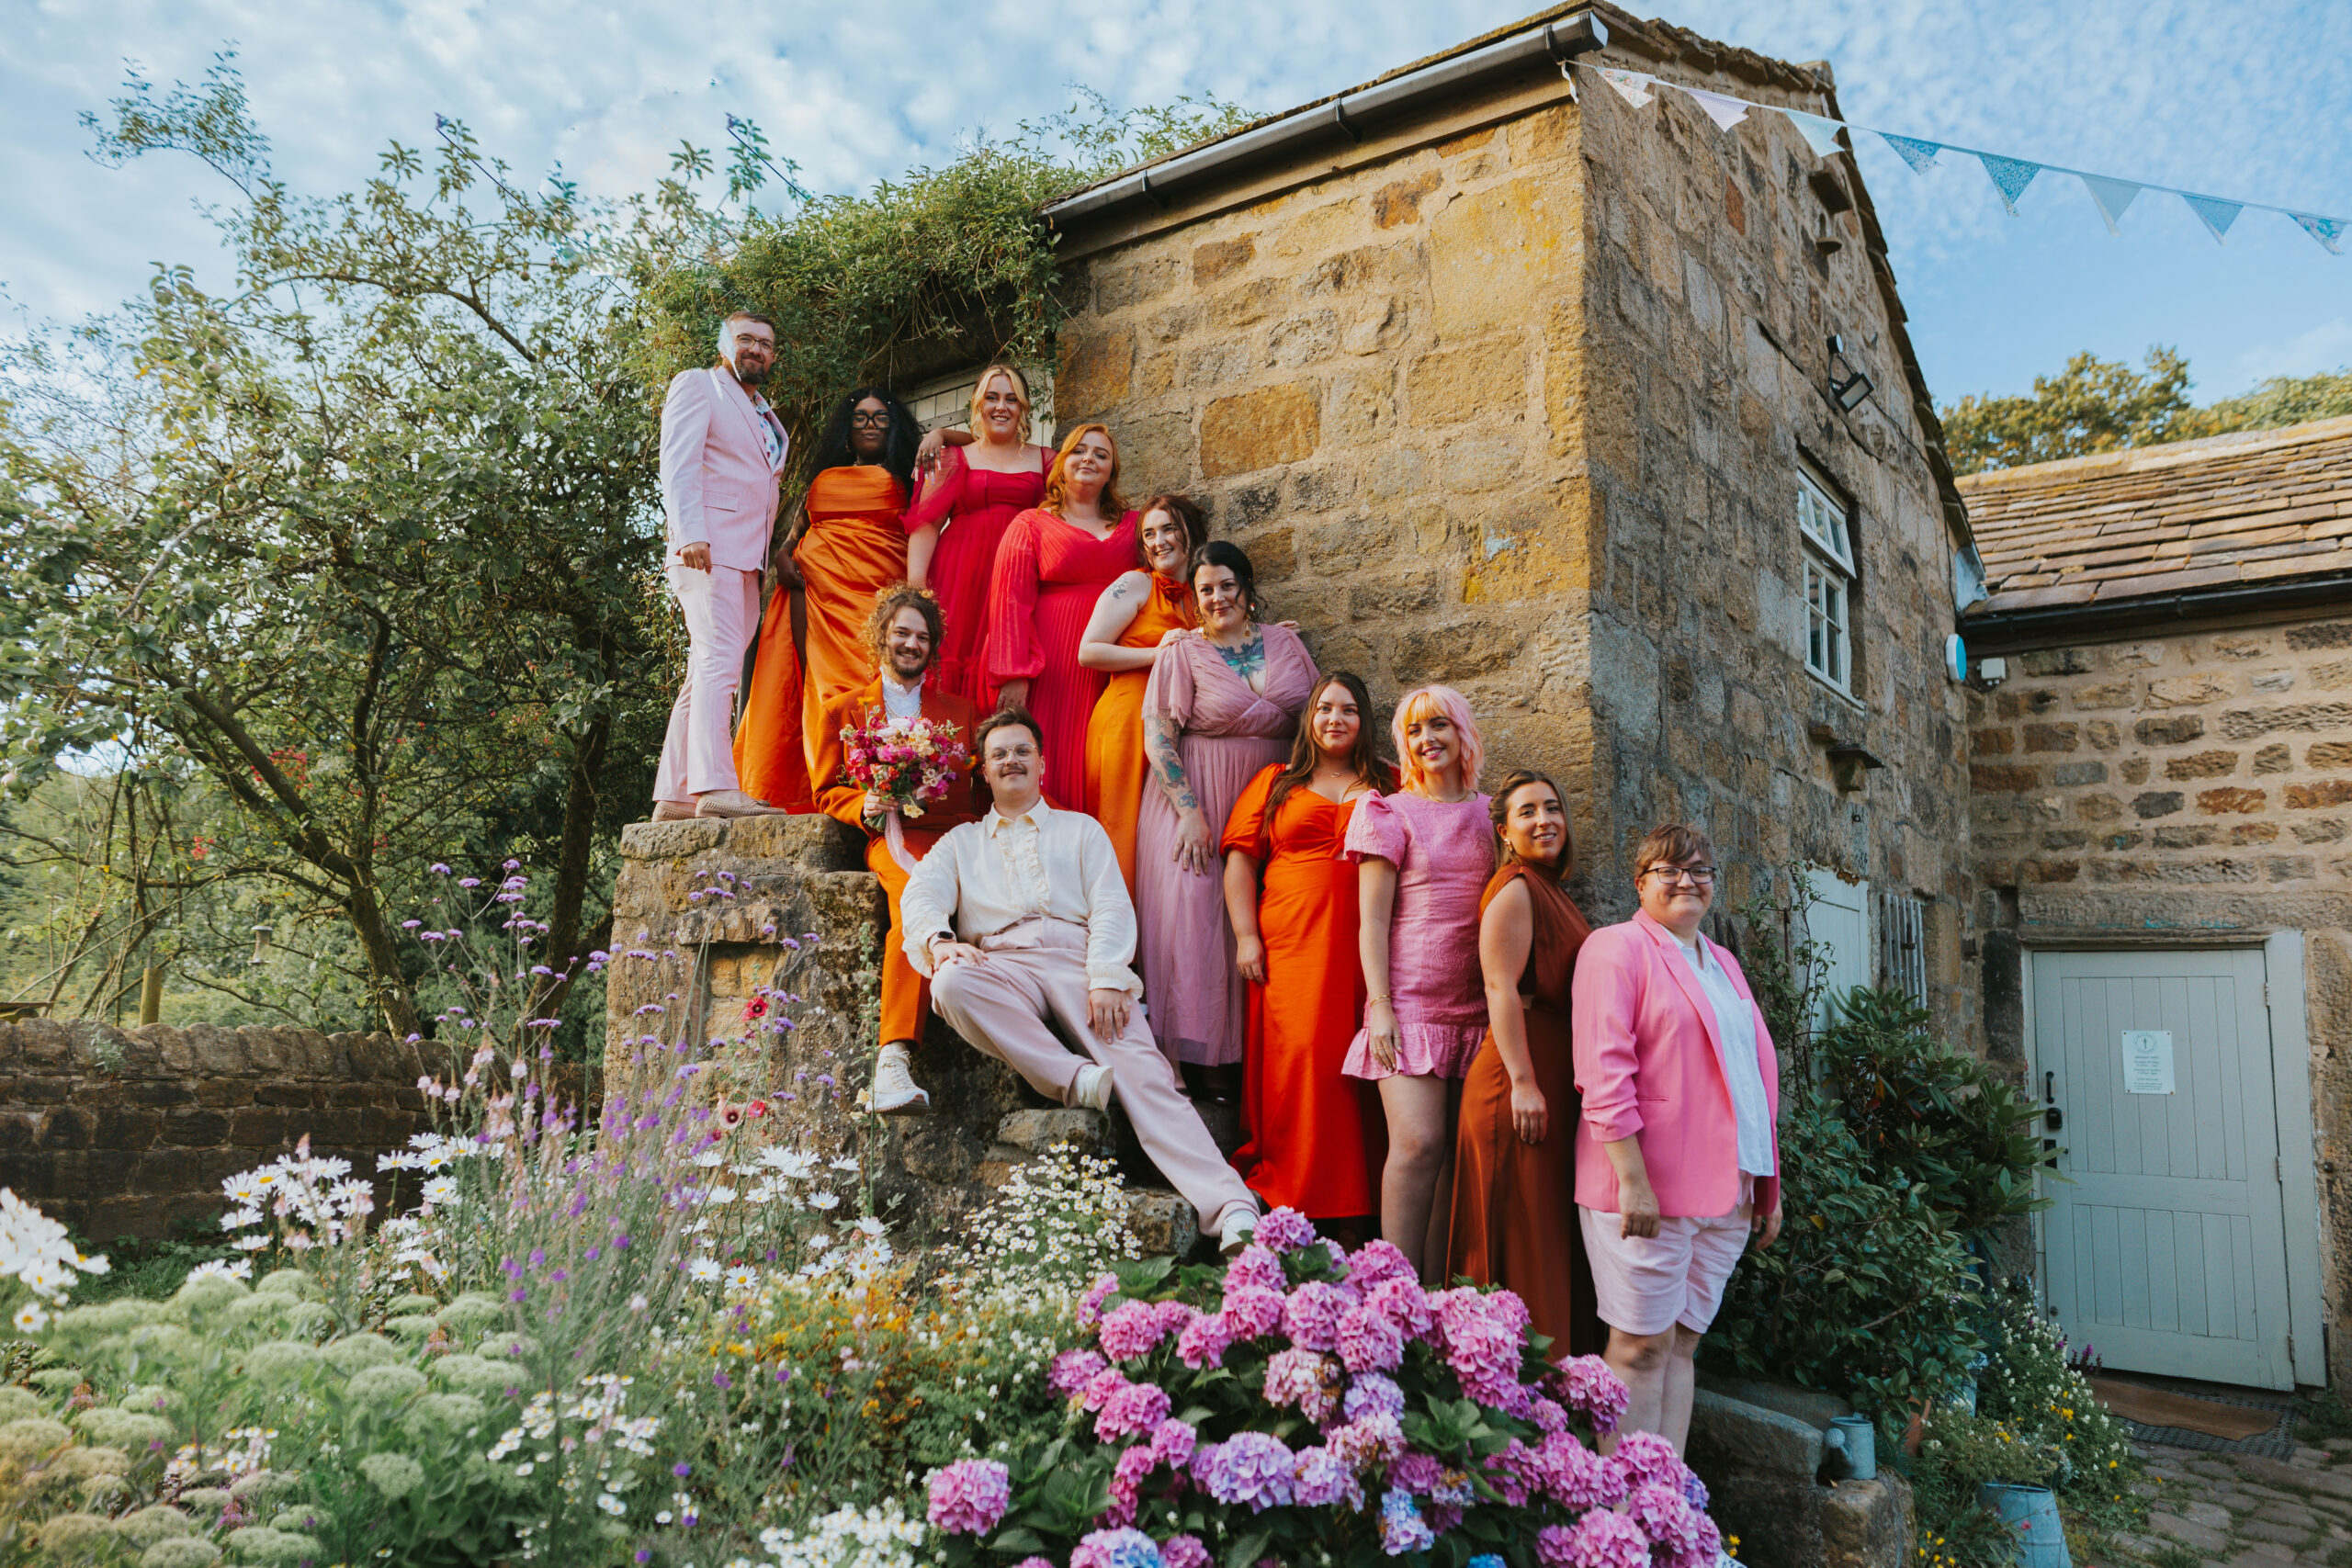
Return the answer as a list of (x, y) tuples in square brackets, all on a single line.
[(2050, 1089)]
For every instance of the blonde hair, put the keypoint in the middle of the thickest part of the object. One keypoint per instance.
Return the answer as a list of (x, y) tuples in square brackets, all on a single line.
[(1020, 390), (1111, 504), (1443, 702)]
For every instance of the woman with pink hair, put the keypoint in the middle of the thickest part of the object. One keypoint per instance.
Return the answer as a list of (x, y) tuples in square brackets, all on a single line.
[(1423, 857)]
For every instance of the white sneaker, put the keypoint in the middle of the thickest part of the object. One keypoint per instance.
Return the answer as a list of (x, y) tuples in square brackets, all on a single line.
[(893, 1091), (1236, 1223), (1091, 1090), (733, 803)]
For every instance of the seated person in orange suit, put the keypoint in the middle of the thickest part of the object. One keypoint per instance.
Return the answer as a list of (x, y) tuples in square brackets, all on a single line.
[(903, 635)]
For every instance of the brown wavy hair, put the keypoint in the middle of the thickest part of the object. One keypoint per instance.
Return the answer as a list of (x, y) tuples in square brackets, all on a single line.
[(886, 604), (1183, 508), (1498, 808), (1305, 753), (1112, 503)]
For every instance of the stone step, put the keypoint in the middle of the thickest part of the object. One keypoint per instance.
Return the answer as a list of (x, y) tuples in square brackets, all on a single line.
[(1037, 1130), (1164, 1223)]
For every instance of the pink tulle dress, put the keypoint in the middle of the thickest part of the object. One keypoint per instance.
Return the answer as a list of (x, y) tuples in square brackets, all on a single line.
[(1443, 855)]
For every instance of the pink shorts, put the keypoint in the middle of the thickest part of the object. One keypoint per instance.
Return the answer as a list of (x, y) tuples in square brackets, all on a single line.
[(1646, 1284)]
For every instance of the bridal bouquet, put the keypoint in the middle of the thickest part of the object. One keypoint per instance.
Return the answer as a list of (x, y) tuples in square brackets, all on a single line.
[(911, 762)]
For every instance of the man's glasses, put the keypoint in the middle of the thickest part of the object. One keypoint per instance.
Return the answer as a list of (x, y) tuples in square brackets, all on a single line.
[(1673, 875)]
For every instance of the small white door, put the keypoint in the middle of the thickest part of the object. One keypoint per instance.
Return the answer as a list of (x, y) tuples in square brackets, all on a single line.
[(2166, 1248), (1838, 918)]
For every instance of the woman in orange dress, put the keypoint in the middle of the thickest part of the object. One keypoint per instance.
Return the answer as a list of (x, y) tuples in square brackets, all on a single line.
[(1316, 1136), (1514, 1164), (853, 542), (1053, 565), (987, 476), (1123, 639)]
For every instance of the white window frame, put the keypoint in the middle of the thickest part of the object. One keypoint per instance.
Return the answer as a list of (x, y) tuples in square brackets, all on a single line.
[(1824, 529)]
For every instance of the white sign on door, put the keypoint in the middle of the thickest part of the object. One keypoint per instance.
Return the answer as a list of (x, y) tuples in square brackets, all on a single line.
[(2147, 1061)]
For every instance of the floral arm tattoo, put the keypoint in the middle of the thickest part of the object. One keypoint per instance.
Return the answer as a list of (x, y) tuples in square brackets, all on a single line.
[(1166, 766)]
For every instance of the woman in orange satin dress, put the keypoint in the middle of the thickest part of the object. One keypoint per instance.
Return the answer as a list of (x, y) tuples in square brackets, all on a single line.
[(854, 543), (1317, 1137), (1123, 639), (1514, 1164)]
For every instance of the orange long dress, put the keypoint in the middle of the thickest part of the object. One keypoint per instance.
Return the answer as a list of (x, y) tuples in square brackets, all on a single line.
[(1317, 1140), (855, 548), (1514, 1203), (1116, 770)]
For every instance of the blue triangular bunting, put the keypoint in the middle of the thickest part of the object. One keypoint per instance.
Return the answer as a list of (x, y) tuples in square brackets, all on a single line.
[(2326, 230), (1820, 132), (1912, 151), (2009, 177), (2110, 196), (2215, 214)]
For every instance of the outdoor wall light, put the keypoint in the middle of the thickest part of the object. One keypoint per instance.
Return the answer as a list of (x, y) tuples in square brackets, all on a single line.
[(1850, 392)]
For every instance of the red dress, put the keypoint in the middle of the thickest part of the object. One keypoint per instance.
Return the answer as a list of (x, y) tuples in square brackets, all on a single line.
[(1317, 1140), (1048, 575), (974, 506)]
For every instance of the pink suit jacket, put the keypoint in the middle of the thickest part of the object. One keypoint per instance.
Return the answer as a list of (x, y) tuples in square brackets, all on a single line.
[(1648, 1062), (718, 487)]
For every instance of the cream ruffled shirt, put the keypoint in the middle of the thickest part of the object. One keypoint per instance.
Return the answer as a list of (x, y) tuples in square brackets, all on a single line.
[(987, 875)]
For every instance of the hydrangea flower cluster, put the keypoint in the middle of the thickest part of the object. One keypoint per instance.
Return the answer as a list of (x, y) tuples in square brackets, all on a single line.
[(1312, 1401)]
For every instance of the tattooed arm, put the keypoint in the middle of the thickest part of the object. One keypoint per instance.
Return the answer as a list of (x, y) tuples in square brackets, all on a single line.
[(1114, 612), (1195, 843)]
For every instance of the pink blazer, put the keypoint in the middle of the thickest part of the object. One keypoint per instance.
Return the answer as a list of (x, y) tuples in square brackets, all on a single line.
[(1648, 1062), (718, 486)]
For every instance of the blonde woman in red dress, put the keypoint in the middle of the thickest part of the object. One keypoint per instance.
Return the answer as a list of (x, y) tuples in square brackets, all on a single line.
[(1053, 565), (989, 475)]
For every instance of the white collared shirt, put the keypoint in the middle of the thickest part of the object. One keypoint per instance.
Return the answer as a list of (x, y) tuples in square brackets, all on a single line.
[(984, 876), (1736, 1027), (902, 701)]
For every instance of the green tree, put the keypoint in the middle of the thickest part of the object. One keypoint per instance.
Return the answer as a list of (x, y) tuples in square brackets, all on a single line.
[(2284, 400), (2094, 405)]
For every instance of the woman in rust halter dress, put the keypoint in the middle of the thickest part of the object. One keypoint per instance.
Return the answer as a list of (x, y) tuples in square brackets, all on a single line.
[(985, 479), (1514, 1163)]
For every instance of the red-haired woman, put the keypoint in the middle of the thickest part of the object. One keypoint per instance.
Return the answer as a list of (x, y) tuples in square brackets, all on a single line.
[(1290, 892), (987, 477), (1052, 566), (1422, 855)]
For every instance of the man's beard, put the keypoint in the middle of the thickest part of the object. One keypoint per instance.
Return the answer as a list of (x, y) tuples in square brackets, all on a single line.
[(906, 677), (749, 377)]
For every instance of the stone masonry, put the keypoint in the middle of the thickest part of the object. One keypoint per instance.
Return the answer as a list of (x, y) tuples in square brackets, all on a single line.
[(1513, 398)]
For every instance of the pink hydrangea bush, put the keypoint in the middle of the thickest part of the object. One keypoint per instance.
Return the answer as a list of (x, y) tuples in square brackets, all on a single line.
[(1301, 1401)]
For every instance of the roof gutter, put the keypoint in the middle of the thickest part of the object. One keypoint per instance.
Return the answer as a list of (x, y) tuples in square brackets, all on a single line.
[(1343, 119), (2045, 626)]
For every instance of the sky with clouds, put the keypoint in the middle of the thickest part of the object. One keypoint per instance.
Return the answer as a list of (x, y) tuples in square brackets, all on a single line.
[(2250, 100)]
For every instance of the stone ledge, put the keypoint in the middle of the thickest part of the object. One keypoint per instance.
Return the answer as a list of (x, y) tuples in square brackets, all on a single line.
[(809, 842), (1734, 1435)]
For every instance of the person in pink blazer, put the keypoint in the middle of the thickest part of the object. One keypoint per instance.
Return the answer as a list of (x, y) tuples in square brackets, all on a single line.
[(1678, 1159), (722, 447)]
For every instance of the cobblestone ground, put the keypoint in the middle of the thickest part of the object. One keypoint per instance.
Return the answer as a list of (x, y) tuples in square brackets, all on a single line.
[(2210, 1510)]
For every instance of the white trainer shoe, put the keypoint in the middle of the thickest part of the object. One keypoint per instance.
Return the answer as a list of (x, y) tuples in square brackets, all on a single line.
[(894, 1092), (1091, 1090), (1236, 1223)]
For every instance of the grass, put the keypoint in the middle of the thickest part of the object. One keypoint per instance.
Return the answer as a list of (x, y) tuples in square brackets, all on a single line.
[(150, 1268), (2321, 1416)]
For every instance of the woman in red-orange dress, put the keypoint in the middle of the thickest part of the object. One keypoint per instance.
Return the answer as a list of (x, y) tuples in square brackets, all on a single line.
[(1514, 1222), (973, 496), (1054, 564), (1316, 1139)]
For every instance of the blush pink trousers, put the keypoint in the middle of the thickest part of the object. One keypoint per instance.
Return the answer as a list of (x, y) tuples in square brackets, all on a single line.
[(722, 611), (1036, 971)]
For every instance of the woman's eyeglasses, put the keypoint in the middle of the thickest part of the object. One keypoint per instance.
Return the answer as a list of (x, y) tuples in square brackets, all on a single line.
[(864, 420)]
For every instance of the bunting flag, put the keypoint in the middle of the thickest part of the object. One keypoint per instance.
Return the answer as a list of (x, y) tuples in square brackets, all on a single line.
[(2011, 176), (2215, 214), (2111, 196), (1911, 150)]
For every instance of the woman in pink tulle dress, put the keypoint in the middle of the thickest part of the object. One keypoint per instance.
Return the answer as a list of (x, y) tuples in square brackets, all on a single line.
[(1423, 856), (1223, 703)]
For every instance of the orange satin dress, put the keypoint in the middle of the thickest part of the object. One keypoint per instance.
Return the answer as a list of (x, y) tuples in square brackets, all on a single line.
[(1116, 770), (855, 548)]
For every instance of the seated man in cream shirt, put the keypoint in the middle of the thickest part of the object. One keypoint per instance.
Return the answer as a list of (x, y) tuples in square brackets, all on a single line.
[(1023, 917)]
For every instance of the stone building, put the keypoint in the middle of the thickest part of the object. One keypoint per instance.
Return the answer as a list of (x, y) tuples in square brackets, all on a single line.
[(2161, 774)]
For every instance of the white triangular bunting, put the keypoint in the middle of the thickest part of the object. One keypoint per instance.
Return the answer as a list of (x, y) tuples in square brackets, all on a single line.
[(1820, 132), (1726, 112), (1917, 154), (1633, 86), (2328, 231), (2215, 214), (2110, 196)]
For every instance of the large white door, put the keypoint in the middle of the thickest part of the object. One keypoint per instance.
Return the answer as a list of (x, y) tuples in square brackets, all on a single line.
[(2166, 1248)]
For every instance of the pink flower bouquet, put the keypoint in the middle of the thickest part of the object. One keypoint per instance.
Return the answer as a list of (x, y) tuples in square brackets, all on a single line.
[(911, 762)]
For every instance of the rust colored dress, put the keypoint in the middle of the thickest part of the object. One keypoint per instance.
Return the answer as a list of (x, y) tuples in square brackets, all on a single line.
[(974, 507), (855, 546), (1515, 1205), (1317, 1141), (1048, 575), (1116, 770)]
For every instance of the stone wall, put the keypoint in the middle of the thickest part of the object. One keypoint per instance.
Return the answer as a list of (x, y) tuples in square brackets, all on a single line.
[(1513, 398), (2198, 783), (130, 1132)]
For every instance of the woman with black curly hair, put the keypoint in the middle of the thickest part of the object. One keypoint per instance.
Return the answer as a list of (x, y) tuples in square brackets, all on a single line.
[(852, 541)]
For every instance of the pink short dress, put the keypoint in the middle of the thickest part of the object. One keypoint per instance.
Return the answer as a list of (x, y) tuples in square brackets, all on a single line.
[(1443, 855)]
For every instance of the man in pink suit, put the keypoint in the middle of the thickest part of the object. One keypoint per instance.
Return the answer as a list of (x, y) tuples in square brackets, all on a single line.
[(722, 447), (1678, 1159)]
